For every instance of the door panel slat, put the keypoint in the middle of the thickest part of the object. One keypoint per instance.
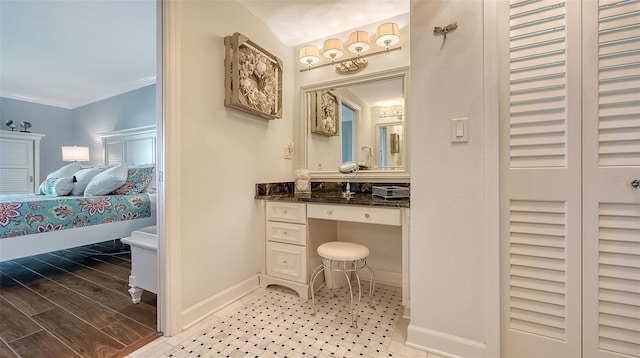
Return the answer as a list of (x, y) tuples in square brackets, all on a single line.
[(538, 273)]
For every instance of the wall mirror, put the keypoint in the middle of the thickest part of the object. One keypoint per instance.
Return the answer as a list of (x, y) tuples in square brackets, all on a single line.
[(361, 120)]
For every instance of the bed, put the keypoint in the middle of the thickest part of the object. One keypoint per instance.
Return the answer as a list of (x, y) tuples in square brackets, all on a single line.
[(32, 224)]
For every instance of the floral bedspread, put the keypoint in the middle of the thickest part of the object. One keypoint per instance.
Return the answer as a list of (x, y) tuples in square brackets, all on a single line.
[(26, 214)]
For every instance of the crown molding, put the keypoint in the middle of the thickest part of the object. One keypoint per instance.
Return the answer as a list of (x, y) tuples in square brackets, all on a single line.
[(143, 82), (38, 100)]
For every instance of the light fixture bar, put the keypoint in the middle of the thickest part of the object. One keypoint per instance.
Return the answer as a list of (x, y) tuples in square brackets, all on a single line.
[(337, 62)]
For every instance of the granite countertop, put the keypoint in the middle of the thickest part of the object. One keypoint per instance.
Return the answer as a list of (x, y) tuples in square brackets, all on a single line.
[(328, 193)]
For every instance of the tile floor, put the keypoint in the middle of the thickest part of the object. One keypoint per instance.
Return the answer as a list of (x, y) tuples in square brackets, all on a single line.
[(274, 322)]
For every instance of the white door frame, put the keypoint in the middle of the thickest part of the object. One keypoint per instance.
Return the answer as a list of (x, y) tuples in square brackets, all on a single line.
[(491, 179), (168, 167)]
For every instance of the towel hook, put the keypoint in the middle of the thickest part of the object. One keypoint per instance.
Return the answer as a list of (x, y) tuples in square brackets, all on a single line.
[(444, 30)]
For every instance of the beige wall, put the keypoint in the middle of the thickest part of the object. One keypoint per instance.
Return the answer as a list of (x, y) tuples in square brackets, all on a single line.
[(216, 155), (448, 234)]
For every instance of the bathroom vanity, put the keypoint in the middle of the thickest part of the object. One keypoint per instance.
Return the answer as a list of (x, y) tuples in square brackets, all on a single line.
[(294, 227)]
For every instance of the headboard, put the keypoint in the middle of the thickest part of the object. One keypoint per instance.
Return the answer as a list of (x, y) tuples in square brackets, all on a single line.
[(133, 146)]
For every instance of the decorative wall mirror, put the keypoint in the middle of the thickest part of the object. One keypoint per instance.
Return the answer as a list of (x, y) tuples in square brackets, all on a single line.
[(373, 127)]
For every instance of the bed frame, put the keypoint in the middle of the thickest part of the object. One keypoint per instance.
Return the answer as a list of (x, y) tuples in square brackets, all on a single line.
[(133, 146), (35, 244)]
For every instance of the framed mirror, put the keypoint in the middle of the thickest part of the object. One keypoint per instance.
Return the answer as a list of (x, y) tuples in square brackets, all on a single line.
[(361, 120)]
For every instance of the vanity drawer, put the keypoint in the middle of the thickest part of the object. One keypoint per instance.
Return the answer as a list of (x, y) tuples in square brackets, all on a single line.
[(287, 261), (361, 214), (287, 212), (287, 233)]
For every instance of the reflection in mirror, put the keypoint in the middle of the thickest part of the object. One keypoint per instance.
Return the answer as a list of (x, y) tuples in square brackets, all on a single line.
[(350, 115), (389, 143), (372, 126)]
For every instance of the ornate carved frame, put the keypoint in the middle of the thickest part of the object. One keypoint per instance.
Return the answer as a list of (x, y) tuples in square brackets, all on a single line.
[(325, 114), (253, 78)]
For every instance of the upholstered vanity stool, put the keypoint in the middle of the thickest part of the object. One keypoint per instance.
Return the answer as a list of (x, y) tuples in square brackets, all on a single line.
[(346, 257)]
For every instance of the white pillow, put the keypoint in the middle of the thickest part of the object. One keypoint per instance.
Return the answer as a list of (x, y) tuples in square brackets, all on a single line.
[(82, 179), (107, 181), (65, 172)]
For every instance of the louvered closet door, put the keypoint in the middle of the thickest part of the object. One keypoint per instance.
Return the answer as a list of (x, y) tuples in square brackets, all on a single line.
[(540, 179), (611, 127)]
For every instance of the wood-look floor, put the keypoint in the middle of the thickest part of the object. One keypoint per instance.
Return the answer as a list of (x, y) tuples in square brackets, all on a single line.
[(69, 304)]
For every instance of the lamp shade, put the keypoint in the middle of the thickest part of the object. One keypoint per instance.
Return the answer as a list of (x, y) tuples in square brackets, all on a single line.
[(358, 42), (75, 154), (309, 55), (388, 34), (332, 49)]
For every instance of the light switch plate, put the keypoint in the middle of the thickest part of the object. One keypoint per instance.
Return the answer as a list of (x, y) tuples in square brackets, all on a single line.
[(286, 152), (459, 130)]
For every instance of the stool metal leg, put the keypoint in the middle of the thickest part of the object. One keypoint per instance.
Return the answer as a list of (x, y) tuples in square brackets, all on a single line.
[(355, 324), (315, 274), (351, 299), (372, 285)]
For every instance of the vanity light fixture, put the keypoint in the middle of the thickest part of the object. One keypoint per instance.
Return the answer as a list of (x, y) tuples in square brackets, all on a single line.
[(387, 36), (358, 42), (309, 55), (392, 111), (332, 49)]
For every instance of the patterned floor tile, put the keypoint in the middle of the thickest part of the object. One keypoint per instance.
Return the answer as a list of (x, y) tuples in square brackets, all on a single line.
[(275, 322)]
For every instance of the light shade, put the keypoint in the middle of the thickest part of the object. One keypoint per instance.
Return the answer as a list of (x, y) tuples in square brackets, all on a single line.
[(309, 55), (332, 49), (358, 42), (75, 154), (387, 35)]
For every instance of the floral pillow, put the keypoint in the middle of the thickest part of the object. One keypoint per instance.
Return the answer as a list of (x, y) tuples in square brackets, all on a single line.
[(137, 180), (56, 186)]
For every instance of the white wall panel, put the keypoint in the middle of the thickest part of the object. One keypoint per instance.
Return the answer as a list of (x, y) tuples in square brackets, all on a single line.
[(216, 155), (449, 280)]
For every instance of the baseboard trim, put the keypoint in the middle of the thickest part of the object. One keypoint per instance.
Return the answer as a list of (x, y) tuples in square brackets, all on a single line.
[(444, 344), (383, 276), (205, 308)]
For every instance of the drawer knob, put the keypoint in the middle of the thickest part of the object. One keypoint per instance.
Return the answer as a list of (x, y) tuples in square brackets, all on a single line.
[(284, 262), (367, 215), (284, 233), (329, 212), (284, 212)]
